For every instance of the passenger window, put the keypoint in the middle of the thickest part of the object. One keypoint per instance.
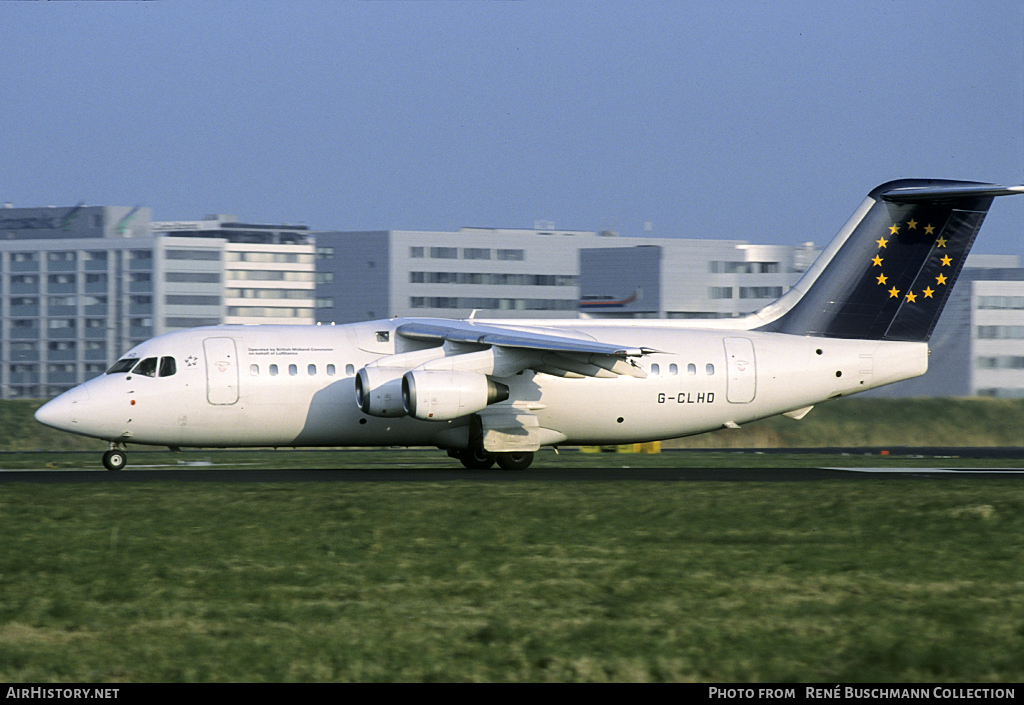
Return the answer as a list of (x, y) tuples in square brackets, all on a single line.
[(293, 370), (710, 369), (350, 370), (311, 370), (691, 369), (254, 370), (147, 367), (330, 370), (655, 369), (168, 366), (673, 369), (273, 370)]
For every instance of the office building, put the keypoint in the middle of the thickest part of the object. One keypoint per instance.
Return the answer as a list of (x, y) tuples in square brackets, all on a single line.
[(79, 286)]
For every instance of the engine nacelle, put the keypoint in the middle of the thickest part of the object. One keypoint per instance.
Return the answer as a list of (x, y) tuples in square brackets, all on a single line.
[(379, 391), (442, 395)]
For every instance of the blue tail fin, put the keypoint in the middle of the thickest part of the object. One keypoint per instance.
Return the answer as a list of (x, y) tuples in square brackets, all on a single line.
[(888, 273)]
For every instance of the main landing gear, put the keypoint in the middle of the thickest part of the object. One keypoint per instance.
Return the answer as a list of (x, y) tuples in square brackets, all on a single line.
[(476, 458), (115, 458), (482, 460)]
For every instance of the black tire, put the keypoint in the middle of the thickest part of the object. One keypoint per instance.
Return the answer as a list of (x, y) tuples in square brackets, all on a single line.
[(514, 461), (115, 460), (476, 460)]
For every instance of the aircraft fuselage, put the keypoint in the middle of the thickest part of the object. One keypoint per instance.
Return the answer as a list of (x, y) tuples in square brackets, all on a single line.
[(294, 386)]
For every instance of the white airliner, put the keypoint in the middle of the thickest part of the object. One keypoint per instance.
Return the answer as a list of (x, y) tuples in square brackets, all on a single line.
[(497, 391)]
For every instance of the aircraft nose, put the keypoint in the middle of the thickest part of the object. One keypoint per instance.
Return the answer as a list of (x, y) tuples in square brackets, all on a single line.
[(61, 412)]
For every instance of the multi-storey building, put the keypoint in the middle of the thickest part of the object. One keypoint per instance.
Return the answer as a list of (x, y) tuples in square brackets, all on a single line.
[(79, 286), (544, 274)]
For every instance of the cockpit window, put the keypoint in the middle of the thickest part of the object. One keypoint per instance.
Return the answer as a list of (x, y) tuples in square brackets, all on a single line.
[(147, 367), (122, 366), (168, 366)]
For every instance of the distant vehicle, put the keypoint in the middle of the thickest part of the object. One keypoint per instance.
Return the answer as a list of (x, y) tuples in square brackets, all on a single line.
[(497, 391)]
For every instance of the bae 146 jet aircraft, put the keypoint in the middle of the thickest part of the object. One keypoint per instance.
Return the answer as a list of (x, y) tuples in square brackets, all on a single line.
[(497, 391)]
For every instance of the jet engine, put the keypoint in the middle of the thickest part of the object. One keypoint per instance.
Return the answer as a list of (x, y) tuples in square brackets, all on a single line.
[(442, 395), (379, 391)]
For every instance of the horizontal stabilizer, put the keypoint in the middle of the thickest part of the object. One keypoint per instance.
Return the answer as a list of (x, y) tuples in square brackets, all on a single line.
[(921, 194)]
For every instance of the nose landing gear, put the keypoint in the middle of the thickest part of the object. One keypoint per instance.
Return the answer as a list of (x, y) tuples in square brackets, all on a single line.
[(115, 458)]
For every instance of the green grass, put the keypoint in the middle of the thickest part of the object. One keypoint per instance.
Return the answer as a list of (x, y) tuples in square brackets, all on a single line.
[(836, 581)]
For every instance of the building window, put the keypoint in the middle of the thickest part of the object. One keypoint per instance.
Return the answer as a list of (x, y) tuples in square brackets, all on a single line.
[(182, 300), (194, 255), (476, 253), (720, 292), (760, 292), (416, 253), (191, 277), (1012, 303), (1000, 332), (719, 267), (444, 252), (511, 255)]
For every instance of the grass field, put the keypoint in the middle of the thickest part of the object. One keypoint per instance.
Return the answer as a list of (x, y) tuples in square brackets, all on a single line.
[(830, 581), (834, 581)]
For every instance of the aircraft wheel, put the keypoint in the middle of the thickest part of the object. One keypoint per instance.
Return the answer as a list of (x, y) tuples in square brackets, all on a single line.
[(476, 460), (514, 461), (115, 459)]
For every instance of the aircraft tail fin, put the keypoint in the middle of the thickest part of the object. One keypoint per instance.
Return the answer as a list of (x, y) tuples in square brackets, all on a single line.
[(888, 273)]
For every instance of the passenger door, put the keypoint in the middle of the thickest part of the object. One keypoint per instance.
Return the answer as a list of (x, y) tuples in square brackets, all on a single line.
[(221, 370), (742, 378)]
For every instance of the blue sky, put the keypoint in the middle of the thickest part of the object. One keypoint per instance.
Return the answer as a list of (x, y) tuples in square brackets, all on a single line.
[(760, 121)]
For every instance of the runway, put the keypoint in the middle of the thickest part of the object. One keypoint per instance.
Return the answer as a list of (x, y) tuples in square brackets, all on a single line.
[(261, 476)]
